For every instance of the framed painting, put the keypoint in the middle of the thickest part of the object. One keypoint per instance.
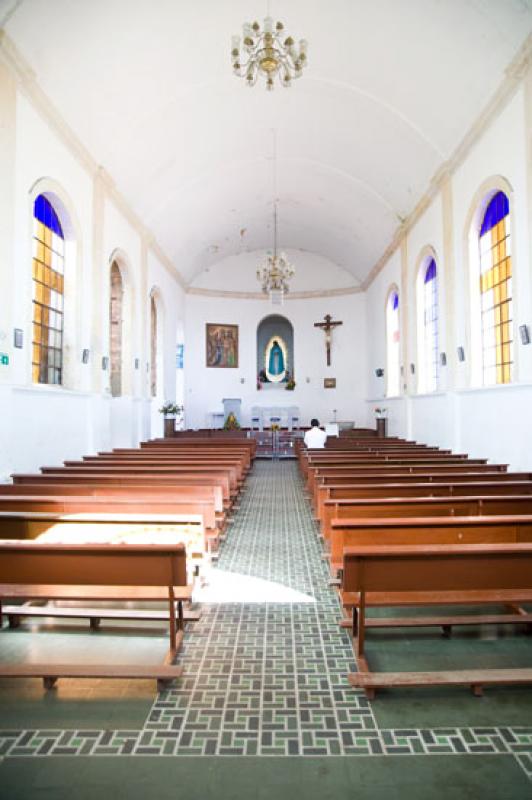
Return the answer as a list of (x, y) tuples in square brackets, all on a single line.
[(329, 383), (221, 345)]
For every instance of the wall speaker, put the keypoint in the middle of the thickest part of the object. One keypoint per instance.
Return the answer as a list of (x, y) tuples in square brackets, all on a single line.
[(524, 333), (18, 337), (460, 353), (85, 356), (105, 362)]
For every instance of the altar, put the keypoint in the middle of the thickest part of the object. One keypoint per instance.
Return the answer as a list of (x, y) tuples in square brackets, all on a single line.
[(266, 416)]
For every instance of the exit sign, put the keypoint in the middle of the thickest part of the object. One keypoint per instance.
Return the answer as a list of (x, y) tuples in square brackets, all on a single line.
[(4, 359)]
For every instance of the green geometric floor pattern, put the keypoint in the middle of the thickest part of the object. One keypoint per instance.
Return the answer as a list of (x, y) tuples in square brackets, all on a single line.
[(269, 678)]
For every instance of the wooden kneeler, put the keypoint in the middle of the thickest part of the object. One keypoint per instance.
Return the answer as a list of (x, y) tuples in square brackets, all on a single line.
[(420, 575)]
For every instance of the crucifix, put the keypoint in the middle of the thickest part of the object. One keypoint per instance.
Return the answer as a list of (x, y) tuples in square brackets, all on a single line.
[(327, 327)]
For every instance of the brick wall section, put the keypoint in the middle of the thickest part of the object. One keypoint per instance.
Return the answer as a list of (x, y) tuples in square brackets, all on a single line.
[(115, 319)]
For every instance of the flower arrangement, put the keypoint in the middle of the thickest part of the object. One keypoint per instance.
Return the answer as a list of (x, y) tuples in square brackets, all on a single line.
[(275, 426), (170, 409), (290, 385), (380, 412), (231, 423)]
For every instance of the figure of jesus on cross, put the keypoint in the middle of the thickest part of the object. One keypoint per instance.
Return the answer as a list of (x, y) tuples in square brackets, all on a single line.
[(327, 328)]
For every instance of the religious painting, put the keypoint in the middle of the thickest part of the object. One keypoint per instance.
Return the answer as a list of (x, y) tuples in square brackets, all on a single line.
[(221, 345), (329, 383)]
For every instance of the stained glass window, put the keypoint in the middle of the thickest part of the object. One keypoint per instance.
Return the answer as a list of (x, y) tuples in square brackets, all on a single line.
[(496, 291), (392, 345), (48, 291), (430, 354)]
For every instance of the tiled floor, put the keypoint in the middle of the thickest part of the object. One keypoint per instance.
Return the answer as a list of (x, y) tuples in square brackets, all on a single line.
[(269, 678)]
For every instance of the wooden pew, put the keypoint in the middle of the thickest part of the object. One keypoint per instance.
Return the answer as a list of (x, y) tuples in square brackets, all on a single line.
[(433, 467), (106, 479), (346, 533), (468, 505), (188, 469), (315, 467), (495, 487), (449, 475), (420, 575), (109, 527), (30, 571)]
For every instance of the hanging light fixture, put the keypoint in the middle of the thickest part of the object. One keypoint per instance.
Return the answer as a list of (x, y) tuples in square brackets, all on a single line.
[(276, 271), (265, 53)]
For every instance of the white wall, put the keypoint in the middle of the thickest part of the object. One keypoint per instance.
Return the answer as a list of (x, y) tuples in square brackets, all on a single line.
[(47, 424), (206, 387), (493, 422)]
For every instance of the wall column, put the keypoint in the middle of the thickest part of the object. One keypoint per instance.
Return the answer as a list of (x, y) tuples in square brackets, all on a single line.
[(8, 109), (524, 274), (99, 346), (448, 311)]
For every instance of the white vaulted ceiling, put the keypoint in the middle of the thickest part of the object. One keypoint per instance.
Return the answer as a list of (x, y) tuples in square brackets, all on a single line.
[(391, 88)]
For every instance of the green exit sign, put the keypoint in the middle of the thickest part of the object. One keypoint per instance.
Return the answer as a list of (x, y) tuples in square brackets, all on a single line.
[(4, 359)]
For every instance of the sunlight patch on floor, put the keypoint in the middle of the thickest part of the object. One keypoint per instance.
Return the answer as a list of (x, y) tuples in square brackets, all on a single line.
[(231, 587)]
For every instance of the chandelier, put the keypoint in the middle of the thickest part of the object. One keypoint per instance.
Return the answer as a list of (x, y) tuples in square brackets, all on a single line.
[(276, 271), (265, 53)]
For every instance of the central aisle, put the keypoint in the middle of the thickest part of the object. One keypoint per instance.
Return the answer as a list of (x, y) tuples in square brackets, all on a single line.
[(267, 678)]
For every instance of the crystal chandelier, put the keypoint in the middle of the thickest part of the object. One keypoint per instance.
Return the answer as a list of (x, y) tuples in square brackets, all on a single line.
[(276, 271), (265, 53)]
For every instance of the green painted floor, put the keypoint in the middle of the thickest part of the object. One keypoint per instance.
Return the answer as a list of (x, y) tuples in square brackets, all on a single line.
[(264, 706), (213, 778)]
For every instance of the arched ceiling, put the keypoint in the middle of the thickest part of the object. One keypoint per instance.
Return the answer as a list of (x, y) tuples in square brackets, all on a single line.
[(390, 90)]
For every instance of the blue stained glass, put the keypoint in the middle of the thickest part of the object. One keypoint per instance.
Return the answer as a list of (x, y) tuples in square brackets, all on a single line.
[(180, 356), (498, 208), (44, 212), (395, 300), (430, 274)]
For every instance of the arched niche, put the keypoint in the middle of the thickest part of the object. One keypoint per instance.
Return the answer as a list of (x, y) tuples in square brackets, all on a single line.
[(275, 350)]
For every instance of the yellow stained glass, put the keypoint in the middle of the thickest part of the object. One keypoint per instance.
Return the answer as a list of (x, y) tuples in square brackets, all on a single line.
[(48, 287)]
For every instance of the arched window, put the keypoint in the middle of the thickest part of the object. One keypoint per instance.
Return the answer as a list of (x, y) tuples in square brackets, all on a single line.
[(392, 344), (496, 291), (428, 345), (115, 329), (48, 293)]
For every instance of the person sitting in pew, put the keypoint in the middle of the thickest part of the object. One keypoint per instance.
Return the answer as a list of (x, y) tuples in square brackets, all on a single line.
[(315, 438)]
